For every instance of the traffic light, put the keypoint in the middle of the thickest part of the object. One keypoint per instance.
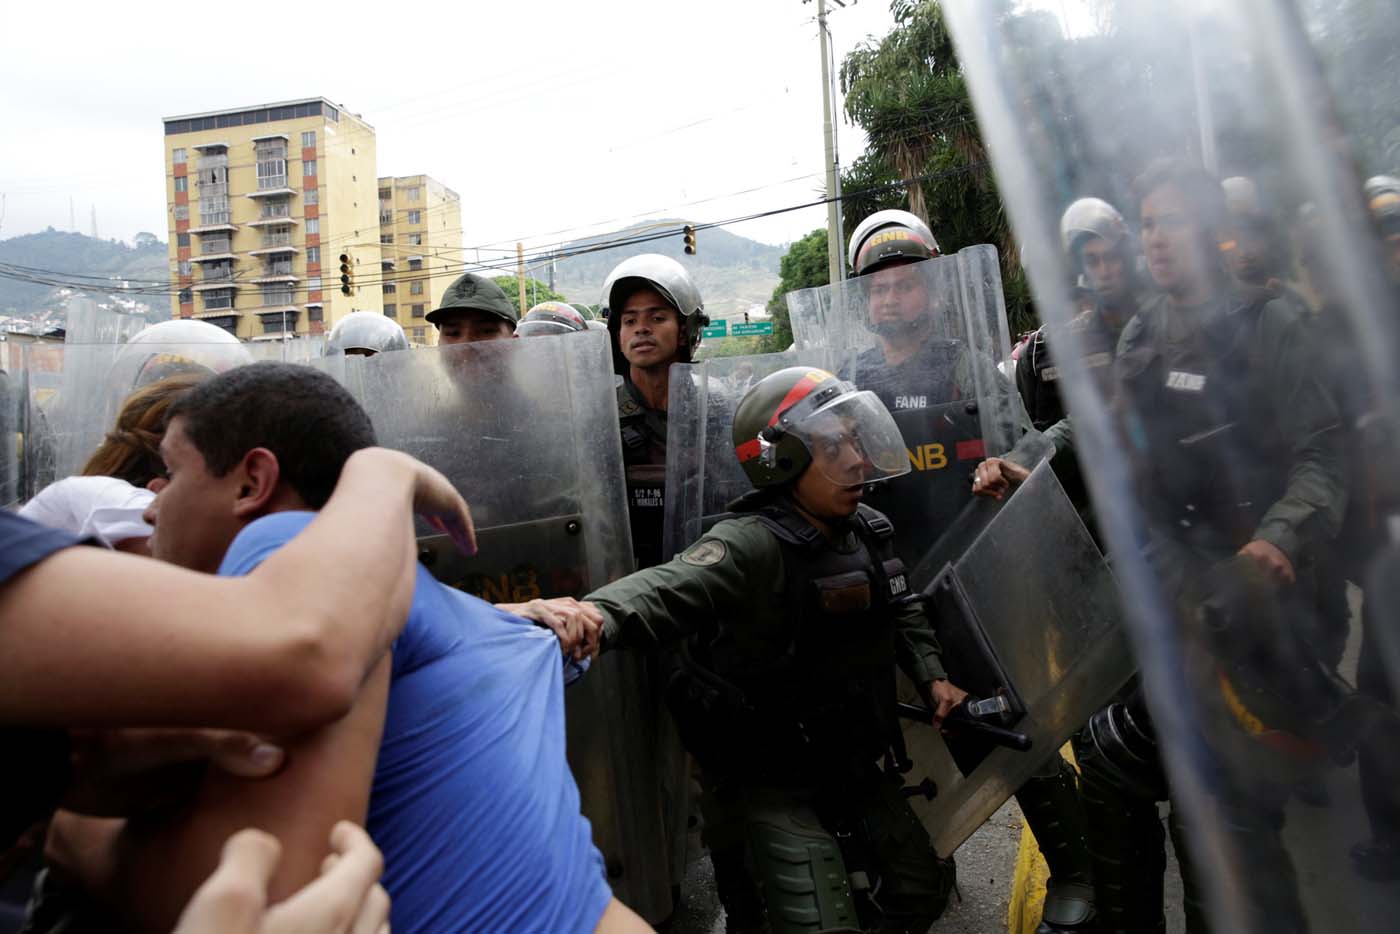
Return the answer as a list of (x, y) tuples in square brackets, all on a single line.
[(345, 284), (689, 240), (746, 317)]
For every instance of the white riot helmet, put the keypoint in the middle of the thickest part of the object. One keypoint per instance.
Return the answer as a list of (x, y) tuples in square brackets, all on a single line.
[(182, 345), (889, 235), (666, 276), (1383, 201), (1091, 217), (367, 333)]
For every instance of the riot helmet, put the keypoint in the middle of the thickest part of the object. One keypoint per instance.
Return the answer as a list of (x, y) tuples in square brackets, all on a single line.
[(1085, 221), (667, 277), (550, 318), (889, 236), (365, 333), (802, 416), (178, 346), (1383, 200)]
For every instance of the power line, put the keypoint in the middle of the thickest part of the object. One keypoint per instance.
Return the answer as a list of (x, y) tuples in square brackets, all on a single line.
[(79, 281)]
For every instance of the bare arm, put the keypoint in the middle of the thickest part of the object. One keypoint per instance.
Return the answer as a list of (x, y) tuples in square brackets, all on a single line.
[(94, 638), (151, 868)]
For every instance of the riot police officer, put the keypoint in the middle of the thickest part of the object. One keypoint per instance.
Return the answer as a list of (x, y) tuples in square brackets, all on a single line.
[(1100, 246), (1240, 473), (1383, 199), (916, 368), (365, 333), (791, 622), (655, 315)]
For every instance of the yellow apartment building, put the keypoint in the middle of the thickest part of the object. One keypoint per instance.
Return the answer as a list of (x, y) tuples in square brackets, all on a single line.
[(264, 202), (420, 237)]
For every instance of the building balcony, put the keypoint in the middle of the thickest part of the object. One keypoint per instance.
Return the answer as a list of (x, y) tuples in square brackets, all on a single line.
[(210, 285), (282, 309), (280, 192), (272, 277), (213, 228), (203, 146), (271, 250), (214, 258), (219, 313), (385, 218), (272, 221)]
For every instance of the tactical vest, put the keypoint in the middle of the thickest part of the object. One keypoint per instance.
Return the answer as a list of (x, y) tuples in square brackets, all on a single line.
[(644, 463), (1215, 458), (1099, 344), (929, 376), (821, 692)]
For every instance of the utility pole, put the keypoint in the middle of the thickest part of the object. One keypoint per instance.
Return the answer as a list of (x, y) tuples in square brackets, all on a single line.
[(520, 275), (834, 258)]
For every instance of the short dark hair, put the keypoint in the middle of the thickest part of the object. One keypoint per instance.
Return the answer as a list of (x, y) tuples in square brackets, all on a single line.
[(304, 417), (1200, 189)]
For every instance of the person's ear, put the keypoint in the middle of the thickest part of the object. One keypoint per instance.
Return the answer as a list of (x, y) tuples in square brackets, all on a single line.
[(156, 484), (258, 477)]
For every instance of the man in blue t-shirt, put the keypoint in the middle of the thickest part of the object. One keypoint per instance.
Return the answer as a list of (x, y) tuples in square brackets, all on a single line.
[(452, 755)]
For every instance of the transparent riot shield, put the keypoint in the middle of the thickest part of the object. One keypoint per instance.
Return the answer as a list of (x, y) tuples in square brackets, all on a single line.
[(1241, 462), (36, 386), (528, 432), (927, 338), (702, 473), (11, 434), (97, 378), (1027, 613)]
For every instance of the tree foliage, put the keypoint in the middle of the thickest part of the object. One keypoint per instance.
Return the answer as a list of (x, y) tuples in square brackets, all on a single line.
[(535, 290), (908, 93), (803, 266)]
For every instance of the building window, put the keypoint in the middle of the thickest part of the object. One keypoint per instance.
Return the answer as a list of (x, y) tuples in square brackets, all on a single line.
[(311, 196), (418, 311), (277, 294), (308, 167), (419, 333), (411, 194), (386, 194), (415, 239), (182, 239), (389, 288), (313, 225), (313, 284), (186, 296), (415, 264), (186, 268), (313, 256), (386, 238), (178, 156), (391, 311), (271, 163), (182, 183), (314, 313), (415, 217), (308, 139), (182, 212), (415, 287)]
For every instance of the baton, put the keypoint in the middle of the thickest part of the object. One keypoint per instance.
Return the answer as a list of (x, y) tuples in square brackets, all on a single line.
[(959, 720)]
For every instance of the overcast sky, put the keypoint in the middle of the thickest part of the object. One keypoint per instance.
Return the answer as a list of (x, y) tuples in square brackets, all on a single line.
[(552, 119)]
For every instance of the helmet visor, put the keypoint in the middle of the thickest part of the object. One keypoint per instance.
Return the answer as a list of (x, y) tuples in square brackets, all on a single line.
[(853, 440)]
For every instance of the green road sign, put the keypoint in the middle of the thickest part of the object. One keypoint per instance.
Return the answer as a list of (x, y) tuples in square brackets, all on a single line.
[(750, 329), (718, 329)]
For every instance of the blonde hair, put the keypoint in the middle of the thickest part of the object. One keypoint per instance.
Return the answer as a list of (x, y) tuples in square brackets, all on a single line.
[(131, 450)]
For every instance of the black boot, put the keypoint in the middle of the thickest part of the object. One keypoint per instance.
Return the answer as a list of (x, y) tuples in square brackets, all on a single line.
[(1050, 803)]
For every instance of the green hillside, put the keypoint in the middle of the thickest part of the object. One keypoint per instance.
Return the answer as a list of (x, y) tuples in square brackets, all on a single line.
[(733, 272), (65, 253)]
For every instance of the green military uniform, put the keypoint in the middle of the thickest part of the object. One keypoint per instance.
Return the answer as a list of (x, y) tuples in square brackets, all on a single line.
[(787, 702)]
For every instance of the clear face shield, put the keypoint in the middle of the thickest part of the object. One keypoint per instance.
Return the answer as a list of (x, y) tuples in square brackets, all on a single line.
[(852, 438)]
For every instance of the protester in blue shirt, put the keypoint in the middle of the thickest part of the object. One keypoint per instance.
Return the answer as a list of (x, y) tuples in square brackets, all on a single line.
[(467, 792)]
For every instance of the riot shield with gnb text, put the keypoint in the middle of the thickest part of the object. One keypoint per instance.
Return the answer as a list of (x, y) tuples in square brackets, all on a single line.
[(1242, 460), (926, 337), (527, 431)]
